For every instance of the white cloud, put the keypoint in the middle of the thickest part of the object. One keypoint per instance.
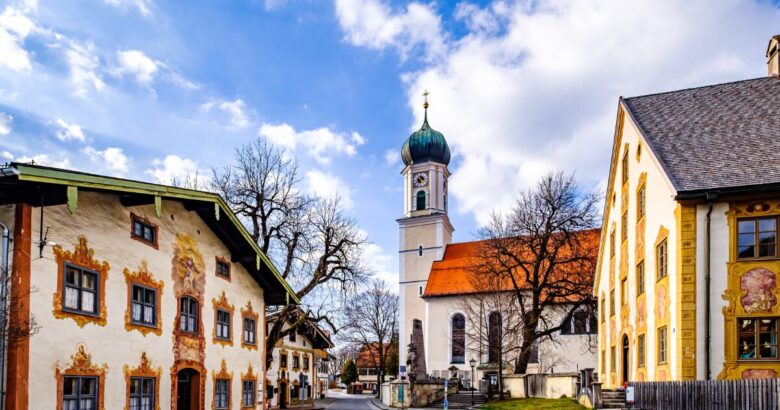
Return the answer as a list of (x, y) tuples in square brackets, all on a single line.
[(6, 123), (373, 24), (84, 65), (530, 89), (235, 110), (328, 186), (69, 132), (143, 6), (6, 155), (138, 65), (173, 168), (392, 157), (181, 82), (274, 4), (15, 26), (45, 159), (321, 143), (382, 264), (111, 158)]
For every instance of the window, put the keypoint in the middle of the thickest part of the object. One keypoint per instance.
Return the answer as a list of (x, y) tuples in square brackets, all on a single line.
[(640, 278), (757, 238), (223, 268), (640, 342), (81, 290), (612, 302), (661, 259), (612, 244), (603, 310), (458, 341), (494, 337), (143, 230), (580, 323), (296, 362), (293, 336), (249, 331), (420, 200), (223, 325), (144, 306), (624, 292), (419, 250), (624, 227), (283, 360), (305, 363), (188, 315), (79, 392), (758, 338), (419, 290), (640, 203), (248, 393), (221, 394), (533, 357), (662, 339), (624, 171), (141, 393), (603, 361), (612, 361)]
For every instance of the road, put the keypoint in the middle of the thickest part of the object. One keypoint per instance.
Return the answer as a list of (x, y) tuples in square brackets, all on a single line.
[(351, 403)]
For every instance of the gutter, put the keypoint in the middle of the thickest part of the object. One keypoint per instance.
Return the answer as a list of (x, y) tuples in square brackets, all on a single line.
[(711, 197)]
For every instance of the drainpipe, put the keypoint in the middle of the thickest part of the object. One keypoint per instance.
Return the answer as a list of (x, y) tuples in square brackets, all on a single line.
[(711, 197), (3, 297)]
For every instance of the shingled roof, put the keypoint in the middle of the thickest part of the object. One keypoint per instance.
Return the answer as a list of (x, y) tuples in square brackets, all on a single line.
[(714, 137)]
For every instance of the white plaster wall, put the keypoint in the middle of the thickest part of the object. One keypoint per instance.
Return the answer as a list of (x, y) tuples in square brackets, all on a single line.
[(106, 224), (302, 345)]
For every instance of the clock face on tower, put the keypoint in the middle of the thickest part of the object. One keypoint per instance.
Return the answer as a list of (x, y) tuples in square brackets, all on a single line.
[(420, 179)]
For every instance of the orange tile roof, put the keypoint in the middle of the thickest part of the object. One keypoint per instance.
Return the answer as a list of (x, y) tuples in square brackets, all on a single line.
[(454, 273), (366, 360)]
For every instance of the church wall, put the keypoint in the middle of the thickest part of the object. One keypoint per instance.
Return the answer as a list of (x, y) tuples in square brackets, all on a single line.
[(112, 344)]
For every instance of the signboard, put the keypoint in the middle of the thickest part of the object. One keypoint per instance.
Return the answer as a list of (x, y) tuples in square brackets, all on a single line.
[(630, 394), (402, 370)]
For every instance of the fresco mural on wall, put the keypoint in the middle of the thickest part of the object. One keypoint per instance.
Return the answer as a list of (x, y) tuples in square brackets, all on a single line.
[(759, 374), (662, 305), (758, 286)]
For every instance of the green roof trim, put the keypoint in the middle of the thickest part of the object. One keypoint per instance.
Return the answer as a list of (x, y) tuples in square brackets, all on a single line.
[(75, 179)]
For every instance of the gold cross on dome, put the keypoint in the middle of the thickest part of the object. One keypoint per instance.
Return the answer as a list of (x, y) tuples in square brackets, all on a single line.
[(425, 94)]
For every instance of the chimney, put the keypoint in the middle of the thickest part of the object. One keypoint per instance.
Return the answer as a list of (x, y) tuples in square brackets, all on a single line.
[(773, 56)]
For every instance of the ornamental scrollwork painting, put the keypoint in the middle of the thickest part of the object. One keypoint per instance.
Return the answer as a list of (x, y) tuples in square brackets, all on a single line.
[(81, 257)]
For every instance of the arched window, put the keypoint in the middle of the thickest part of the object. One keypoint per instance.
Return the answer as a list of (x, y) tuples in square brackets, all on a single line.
[(581, 322), (494, 337), (188, 315), (420, 200), (458, 338)]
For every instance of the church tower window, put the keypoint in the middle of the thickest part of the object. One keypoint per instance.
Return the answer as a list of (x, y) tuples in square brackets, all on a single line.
[(420, 200), (494, 337), (458, 338)]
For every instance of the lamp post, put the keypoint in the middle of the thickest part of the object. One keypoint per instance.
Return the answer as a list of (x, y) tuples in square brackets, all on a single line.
[(473, 363)]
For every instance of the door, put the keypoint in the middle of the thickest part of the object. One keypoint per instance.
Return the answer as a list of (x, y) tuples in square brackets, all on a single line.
[(187, 389), (624, 375), (283, 395)]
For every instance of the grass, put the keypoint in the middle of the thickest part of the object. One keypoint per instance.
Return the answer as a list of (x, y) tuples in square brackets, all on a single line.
[(521, 404)]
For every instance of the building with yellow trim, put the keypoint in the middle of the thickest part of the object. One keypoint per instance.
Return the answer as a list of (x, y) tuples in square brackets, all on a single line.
[(687, 276)]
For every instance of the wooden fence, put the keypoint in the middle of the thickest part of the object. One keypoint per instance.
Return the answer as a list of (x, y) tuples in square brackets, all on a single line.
[(755, 394)]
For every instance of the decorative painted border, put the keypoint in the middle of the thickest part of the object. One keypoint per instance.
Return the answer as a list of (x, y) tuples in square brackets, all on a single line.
[(81, 365), (222, 304), (249, 313), (222, 374), (144, 369), (144, 278), (82, 256)]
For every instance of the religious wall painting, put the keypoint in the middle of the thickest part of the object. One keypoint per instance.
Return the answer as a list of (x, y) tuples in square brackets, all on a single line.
[(758, 290), (92, 386), (662, 303), (188, 267), (759, 374), (80, 267)]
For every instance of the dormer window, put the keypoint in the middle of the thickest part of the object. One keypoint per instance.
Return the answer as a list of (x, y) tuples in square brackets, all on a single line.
[(420, 200)]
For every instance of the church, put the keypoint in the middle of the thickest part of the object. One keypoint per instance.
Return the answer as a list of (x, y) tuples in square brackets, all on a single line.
[(436, 283)]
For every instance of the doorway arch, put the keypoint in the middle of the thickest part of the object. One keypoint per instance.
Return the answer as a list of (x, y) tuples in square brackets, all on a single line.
[(624, 364), (188, 389), (283, 392)]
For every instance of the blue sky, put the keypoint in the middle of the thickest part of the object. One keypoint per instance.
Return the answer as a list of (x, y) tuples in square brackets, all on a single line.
[(154, 89)]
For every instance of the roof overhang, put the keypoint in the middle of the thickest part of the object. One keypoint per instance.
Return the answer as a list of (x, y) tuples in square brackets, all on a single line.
[(44, 186)]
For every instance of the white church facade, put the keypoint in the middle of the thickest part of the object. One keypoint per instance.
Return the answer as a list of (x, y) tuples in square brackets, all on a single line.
[(435, 283)]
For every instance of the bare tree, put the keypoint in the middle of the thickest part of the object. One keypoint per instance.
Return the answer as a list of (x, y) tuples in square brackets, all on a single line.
[(318, 249), (371, 319), (543, 251)]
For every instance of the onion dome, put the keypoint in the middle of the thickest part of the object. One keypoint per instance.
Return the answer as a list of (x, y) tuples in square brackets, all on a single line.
[(425, 144)]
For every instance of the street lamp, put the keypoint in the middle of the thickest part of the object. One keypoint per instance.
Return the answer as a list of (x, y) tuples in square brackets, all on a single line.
[(473, 363)]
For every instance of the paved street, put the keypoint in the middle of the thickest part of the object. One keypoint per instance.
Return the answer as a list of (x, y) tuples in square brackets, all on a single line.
[(351, 403)]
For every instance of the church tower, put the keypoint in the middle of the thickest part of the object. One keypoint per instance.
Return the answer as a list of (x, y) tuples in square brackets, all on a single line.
[(425, 228)]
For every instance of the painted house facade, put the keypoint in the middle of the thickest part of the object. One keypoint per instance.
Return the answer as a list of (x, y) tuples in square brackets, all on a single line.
[(300, 353), (147, 296), (688, 263)]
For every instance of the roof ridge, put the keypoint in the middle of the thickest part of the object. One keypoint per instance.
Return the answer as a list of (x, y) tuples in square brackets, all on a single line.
[(699, 87)]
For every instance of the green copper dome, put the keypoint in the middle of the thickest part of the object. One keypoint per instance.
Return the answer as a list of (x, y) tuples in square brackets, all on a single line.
[(425, 144)]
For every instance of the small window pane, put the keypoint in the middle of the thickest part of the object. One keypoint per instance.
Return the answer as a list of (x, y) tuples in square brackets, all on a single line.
[(69, 386), (747, 226), (88, 302), (766, 224), (88, 281), (71, 298)]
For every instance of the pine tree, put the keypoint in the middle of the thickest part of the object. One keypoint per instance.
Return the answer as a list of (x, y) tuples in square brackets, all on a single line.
[(350, 373)]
